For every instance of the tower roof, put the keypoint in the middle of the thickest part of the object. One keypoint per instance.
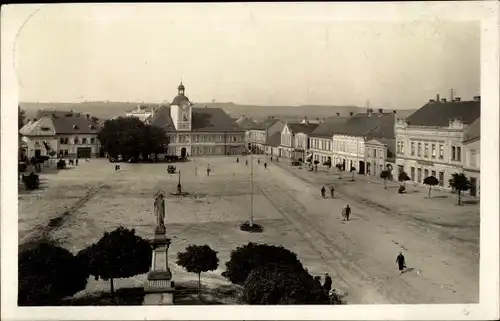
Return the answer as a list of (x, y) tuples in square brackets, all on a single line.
[(181, 86)]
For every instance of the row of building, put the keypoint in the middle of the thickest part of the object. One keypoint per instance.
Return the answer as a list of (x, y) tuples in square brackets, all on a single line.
[(439, 139)]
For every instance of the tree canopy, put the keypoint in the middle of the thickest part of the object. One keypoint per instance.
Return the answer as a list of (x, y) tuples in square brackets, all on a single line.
[(48, 273), (247, 257), (280, 284), (431, 181), (460, 183), (403, 177), (118, 254), (198, 259), (130, 137)]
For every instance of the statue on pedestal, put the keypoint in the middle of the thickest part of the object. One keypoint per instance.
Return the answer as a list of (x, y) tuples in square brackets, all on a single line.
[(159, 208)]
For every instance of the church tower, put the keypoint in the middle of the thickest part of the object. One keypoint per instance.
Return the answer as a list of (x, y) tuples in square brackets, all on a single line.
[(181, 110)]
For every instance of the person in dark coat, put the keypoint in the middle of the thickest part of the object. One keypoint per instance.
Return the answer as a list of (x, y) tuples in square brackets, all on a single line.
[(258, 161), (332, 190), (328, 283), (246, 162), (265, 165), (208, 170), (317, 279), (237, 160), (400, 260), (347, 212), (76, 161), (323, 192)]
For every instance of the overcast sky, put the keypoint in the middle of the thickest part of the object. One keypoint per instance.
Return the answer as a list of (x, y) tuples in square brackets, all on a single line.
[(242, 54)]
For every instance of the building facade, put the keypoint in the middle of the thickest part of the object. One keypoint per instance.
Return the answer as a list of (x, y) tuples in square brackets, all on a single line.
[(141, 112), (198, 131), (259, 134), (430, 141), (379, 156), (294, 140), (321, 140), (60, 134)]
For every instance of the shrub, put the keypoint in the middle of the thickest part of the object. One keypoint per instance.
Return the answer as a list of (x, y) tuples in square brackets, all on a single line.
[(247, 227), (245, 258), (48, 273), (31, 181), (61, 164), (460, 182), (197, 259), (316, 162), (403, 177), (119, 254), (280, 284)]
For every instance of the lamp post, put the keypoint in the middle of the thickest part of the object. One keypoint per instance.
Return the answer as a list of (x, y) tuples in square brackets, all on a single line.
[(251, 188)]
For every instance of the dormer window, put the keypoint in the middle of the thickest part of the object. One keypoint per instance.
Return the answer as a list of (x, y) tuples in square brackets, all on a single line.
[(45, 129), (91, 127), (76, 140), (75, 127)]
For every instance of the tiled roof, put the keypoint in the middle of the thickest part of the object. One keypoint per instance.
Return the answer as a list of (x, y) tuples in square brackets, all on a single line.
[(327, 128), (374, 126), (246, 123), (63, 122), (274, 140), (265, 124), (302, 128), (179, 99), (203, 119), (438, 114), (473, 131)]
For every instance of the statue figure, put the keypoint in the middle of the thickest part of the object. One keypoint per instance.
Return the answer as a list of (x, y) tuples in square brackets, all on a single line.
[(159, 206)]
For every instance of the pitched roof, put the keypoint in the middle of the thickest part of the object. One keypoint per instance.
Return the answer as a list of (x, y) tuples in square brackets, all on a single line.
[(274, 140), (265, 124), (62, 122), (179, 99), (374, 126), (327, 128), (246, 123), (438, 114), (473, 131), (141, 109), (302, 128), (203, 119)]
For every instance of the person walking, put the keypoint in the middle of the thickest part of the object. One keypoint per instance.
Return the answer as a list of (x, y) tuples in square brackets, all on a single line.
[(246, 162), (258, 161), (328, 283), (400, 260), (323, 192), (237, 159), (347, 212), (265, 165), (332, 190), (208, 170)]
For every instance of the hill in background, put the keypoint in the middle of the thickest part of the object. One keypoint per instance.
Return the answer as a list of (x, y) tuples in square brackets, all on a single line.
[(106, 110)]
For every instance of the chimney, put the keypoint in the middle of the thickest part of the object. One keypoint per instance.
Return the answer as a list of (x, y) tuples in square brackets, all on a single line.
[(351, 113), (443, 100), (338, 114), (437, 97), (457, 98), (380, 110), (477, 98), (369, 112)]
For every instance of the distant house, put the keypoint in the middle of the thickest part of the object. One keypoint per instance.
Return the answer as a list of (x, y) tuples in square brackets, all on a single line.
[(272, 145), (246, 123), (60, 134), (142, 112), (321, 139), (198, 131), (261, 132), (431, 141), (294, 140), (472, 159)]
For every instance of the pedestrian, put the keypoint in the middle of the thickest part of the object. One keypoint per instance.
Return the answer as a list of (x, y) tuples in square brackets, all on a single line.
[(347, 212), (237, 160), (265, 165), (400, 260), (328, 283), (246, 162), (258, 161), (317, 279), (332, 190), (208, 170), (323, 192), (76, 162)]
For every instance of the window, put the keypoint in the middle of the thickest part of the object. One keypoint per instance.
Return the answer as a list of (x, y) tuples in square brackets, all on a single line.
[(419, 149), (441, 152), (419, 175), (412, 173), (426, 173), (200, 151), (209, 150), (441, 178), (84, 140), (412, 149), (459, 154), (433, 151), (402, 148), (472, 158), (92, 140), (426, 150), (184, 117), (453, 153), (61, 140), (381, 153), (65, 152), (76, 140), (374, 153), (433, 173)]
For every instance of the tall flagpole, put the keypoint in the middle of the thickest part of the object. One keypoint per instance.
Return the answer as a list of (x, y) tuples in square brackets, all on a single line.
[(251, 188)]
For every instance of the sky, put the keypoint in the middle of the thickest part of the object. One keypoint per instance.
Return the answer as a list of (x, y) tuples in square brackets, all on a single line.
[(240, 54)]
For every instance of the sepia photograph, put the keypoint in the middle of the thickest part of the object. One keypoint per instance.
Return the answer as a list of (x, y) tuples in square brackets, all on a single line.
[(250, 155)]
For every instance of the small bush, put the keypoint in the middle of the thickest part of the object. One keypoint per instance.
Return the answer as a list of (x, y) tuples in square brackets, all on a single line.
[(255, 228), (31, 181)]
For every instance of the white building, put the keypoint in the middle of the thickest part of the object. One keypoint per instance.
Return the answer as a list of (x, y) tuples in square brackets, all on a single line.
[(60, 134), (141, 112), (294, 140), (430, 141), (259, 134), (321, 139), (472, 161)]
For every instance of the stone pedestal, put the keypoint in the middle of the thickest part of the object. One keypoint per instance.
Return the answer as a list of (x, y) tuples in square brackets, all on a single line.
[(158, 287)]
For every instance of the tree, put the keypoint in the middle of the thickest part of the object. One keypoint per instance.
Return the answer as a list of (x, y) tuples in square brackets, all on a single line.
[(352, 170), (245, 258), (403, 177), (385, 175), (197, 259), (340, 168), (431, 181), (130, 137), (119, 254), (280, 284), (48, 273), (460, 182), (21, 116)]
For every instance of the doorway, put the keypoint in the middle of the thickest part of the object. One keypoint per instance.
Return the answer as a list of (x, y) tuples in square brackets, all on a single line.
[(473, 188), (183, 152), (361, 167)]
